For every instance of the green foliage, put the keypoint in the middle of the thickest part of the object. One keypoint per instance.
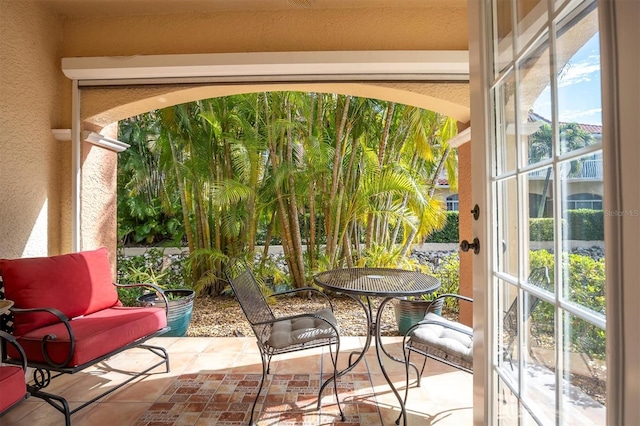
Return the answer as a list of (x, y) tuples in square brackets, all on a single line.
[(147, 214), (322, 171), (586, 287), (585, 224), (379, 256), (581, 224), (448, 272), (150, 267), (448, 234), (142, 222), (541, 229)]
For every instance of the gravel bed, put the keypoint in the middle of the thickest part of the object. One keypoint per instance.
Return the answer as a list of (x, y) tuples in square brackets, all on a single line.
[(221, 316)]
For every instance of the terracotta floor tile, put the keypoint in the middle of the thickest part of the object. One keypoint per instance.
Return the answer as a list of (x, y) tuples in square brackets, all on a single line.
[(214, 382), (189, 345), (112, 413), (228, 344)]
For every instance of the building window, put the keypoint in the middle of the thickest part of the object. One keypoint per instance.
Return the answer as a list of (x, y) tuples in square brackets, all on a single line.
[(452, 202), (584, 201)]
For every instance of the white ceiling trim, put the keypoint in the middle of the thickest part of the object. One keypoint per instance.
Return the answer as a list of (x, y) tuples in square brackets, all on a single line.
[(325, 65)]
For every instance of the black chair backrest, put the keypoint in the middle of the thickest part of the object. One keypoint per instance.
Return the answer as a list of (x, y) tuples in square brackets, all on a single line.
[(249, 295), (6, 320), (538, 277)]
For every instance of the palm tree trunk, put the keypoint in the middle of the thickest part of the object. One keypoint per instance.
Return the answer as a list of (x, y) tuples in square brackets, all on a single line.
[(335, 180), (267, 240), (385, 134), (543, 199), (285, 231), (296, 239)]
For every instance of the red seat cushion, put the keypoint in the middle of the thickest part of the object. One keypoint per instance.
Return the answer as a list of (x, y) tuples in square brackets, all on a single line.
[(13, 386), (96, 335), (76, 284)]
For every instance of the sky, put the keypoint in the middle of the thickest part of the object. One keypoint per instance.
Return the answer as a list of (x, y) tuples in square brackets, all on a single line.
[(579, 96)]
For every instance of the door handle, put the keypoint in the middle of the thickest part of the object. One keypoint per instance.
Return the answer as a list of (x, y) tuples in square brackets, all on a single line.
[(465, 246)]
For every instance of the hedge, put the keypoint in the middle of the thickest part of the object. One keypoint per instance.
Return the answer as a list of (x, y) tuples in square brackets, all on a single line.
[(448, 234), (582, 224), (585, 224), (585, 279)]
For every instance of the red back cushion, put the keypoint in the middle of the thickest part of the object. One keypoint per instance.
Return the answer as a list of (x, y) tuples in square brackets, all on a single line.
[(76, 284)]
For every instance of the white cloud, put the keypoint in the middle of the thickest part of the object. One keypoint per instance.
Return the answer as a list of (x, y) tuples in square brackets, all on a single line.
[(586, 116), (580, 72)]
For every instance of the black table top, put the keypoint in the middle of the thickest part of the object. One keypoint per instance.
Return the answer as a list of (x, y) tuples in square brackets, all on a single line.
[(385, 282)]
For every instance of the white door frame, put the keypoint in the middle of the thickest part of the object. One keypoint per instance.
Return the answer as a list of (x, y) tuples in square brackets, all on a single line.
[(620, 62), (620, 59), (480, 171)]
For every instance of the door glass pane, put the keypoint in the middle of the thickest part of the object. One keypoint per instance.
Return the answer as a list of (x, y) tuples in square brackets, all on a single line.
[(583, 268), (578, 75), (547, 193), (532, 17), (508, 321), (527, 418), (502, 35), (505, 126), (585, 373), (541, 217), (539, 357), (507, 405), (507, 215), (534, 76)]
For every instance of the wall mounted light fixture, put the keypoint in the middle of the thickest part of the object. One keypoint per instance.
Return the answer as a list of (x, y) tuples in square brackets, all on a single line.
[(93, 138)]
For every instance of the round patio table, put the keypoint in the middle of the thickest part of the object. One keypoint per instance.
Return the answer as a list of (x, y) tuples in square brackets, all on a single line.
[(367, 283)]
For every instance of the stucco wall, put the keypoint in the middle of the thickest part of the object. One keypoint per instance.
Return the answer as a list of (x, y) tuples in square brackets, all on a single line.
[(466, 229), (30, 180), (430, 28), (36, 97)]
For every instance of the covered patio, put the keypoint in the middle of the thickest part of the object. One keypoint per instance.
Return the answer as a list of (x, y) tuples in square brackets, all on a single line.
[(214, 380)]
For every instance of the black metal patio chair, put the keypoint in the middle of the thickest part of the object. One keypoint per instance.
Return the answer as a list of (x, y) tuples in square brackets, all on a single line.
[(451, 342), (280, 335), (538, 277)]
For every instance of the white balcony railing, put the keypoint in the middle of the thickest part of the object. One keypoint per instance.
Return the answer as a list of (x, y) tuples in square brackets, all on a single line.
[(591, 170)]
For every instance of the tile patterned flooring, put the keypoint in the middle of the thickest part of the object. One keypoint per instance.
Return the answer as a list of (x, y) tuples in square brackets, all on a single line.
[(213, 381)]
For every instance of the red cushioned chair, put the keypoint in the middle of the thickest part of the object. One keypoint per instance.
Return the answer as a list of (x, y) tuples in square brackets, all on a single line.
[(67, 317), (12, 382)]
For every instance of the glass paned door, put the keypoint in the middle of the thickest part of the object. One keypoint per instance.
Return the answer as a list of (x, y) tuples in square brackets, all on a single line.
[(548, 291)]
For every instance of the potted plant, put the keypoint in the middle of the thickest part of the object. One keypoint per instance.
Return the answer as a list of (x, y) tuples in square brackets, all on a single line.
[(410, 311), (180, 300), (151, 268)]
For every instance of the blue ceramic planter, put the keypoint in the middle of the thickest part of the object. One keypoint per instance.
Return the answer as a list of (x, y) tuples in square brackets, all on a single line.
[(180, 308)]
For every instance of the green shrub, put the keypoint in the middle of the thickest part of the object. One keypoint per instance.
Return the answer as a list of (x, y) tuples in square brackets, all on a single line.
[(541, 229), (581, 224), (450, 233), (149, 267), (586, 287), (585, 224), (448, 272)]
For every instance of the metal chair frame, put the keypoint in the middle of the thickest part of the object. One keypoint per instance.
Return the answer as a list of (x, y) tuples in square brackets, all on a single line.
[(44, 373), (538, 277), (6, 337), (261, 318)]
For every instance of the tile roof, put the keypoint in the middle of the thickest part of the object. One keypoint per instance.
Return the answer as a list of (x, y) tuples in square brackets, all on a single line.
[(594, 129)]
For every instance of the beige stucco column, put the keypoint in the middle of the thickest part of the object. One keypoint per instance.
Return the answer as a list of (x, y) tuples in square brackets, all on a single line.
[(99, 195)]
